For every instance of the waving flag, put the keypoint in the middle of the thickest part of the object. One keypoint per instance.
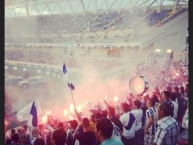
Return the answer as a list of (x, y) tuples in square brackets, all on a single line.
[(24, 113), (64, 69), (33, 121), (70, 85)]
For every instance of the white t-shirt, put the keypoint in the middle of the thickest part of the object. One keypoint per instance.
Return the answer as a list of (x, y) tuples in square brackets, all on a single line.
[(138, 113), (129, 134), (175, 109), (185, 119)]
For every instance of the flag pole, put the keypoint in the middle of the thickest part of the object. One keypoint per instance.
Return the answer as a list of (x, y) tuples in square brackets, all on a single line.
[(71, 88), (72, 98)]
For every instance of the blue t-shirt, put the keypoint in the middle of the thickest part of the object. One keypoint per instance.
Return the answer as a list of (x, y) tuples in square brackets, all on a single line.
[(111, 141)]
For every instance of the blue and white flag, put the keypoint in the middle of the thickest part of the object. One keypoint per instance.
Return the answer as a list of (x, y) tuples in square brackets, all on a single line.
[(70, 85), (33, 121), (24, 113)]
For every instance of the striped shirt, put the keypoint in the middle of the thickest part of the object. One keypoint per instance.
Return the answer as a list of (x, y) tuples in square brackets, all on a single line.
[(151, 112), (167, 131)]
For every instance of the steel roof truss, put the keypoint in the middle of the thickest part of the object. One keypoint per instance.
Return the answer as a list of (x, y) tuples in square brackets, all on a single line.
[(82, 4), (70, 5)]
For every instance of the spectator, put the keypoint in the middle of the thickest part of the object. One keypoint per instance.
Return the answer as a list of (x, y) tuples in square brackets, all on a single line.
[(138, 113), (151, 120), (15, 140), (26, 139), (129, 125), (39, 141), (103, 132), (183, 99), (92, 120), (185, 118), (70, 139), (8, 141), (84, 133), (104, 113), (117, 125), (169, 89), (166, 98), (35, 134), (179, 100), (97, 115), (154, 97), (173, 98), (41, 130), (59, 135), (167, 129)]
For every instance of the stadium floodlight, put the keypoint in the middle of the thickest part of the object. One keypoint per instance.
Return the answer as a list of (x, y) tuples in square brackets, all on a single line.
[(91, 46), (104, 46), (169, 50), (157, 50)]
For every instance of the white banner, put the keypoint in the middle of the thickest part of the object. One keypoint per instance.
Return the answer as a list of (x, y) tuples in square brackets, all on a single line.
[(24, 114)]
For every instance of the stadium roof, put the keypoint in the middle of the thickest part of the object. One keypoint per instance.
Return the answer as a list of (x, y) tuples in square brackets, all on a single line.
[(14, 8)]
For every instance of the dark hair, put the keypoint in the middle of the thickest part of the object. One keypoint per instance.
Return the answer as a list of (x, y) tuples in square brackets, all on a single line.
[(167, 94), (182, 91), (13, 131), (111, 111), (176, 89), (137, 103), (151, 102), (104, 113), (39, 141), (97, 115), (173, 96), (154, 97), (125, 107), (105, 126), (169, 89), (166, 108), (73, 124), (60, 124), (85, 122), (15, 137)]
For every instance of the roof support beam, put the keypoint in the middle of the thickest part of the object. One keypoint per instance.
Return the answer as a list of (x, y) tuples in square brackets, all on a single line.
[(82, 4), (27, 7)]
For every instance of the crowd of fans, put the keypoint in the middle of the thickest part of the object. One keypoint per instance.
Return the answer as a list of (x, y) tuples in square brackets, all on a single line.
[(153, 119)]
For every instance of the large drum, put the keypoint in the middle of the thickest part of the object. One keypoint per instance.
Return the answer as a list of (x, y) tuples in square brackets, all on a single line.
[(138, 85)]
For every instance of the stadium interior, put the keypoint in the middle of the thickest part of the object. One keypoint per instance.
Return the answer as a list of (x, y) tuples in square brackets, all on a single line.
[(103, 43)]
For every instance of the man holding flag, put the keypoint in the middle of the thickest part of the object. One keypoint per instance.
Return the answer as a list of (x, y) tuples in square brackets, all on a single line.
[(72, 87)]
